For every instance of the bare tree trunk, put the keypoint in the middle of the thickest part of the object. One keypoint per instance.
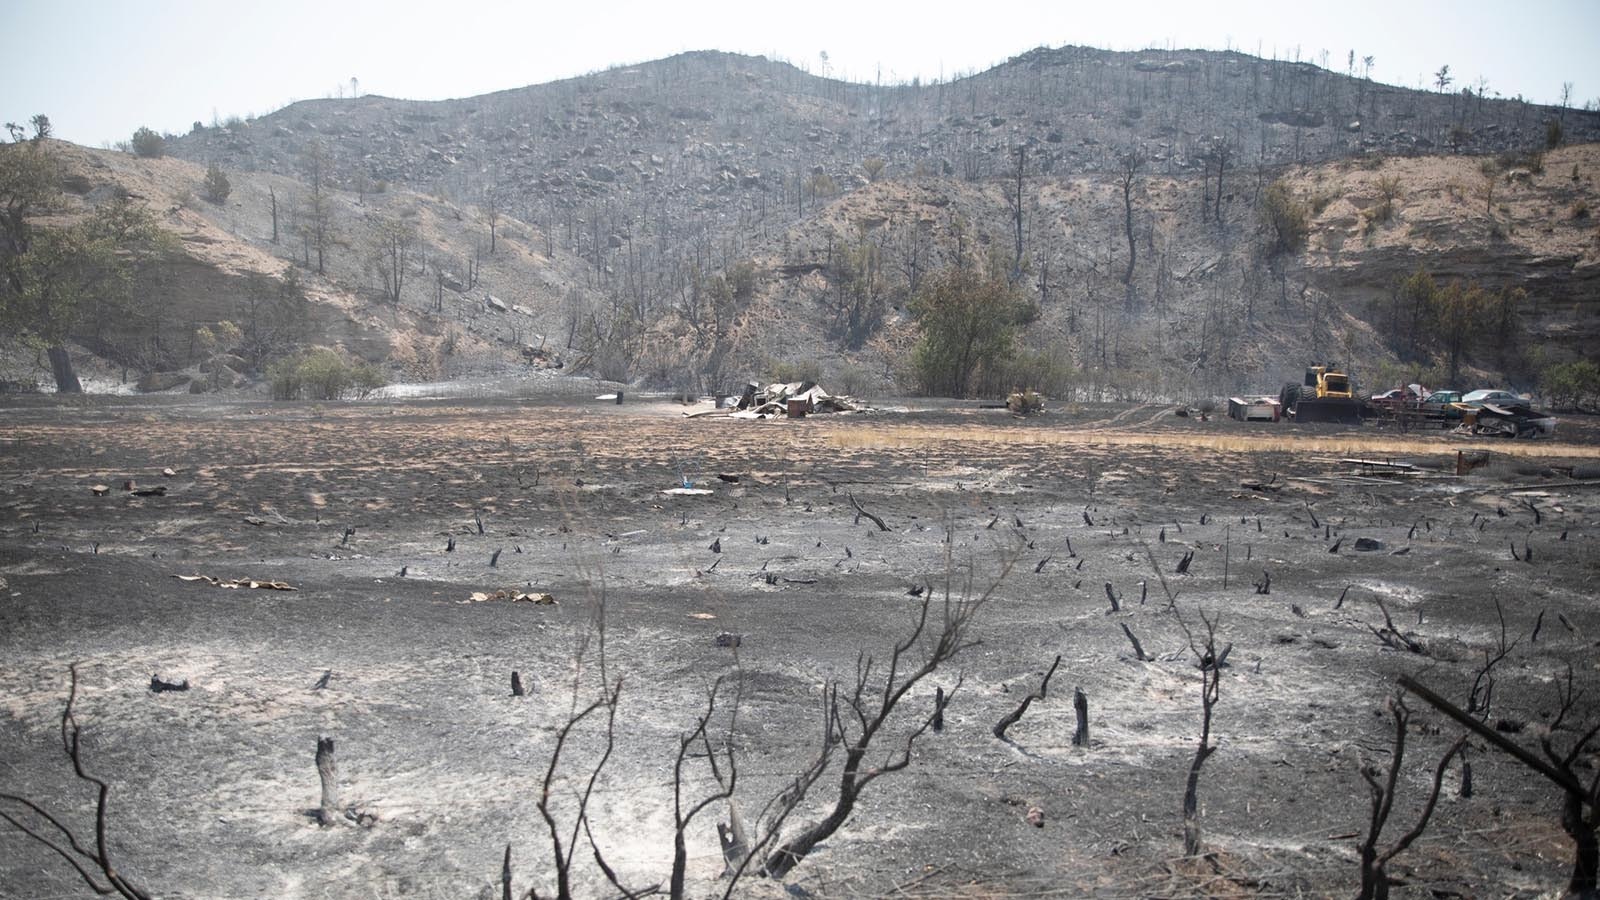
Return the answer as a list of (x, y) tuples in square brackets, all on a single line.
[(505, 876), (1080, 706), (1022, 158), (61, 367), (1191, 803), (1586, 849), (789, 855), (328, 813)]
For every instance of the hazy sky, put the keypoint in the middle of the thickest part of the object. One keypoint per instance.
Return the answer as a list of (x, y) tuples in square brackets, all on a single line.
[(101, 68)]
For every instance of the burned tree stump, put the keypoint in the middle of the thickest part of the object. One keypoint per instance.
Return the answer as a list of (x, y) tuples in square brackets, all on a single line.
[(160, 686), (1138, 649), (1080, 706), (328, 812), (938, 709), (516, 684), (506, 892)]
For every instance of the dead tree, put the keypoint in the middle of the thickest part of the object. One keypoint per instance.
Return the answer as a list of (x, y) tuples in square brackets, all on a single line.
[(859, 714), (54, 834), (742, 853), (1374, 863), (563, 851), (725, 783), (1129, 165), (1015, 715), (1204, 648), (1580, 811), (1014, 198), (1480, 700)]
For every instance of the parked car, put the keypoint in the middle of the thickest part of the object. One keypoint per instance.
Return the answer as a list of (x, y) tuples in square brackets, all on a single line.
[(1498, 398), (1408, 396), (1443, 403)]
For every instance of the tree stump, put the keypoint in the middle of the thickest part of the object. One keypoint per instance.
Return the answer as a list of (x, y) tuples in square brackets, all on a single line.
[(328, 813), (1080, 705)]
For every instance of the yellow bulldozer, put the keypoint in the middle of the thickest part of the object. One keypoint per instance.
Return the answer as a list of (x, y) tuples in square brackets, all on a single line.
[(1325, 395)]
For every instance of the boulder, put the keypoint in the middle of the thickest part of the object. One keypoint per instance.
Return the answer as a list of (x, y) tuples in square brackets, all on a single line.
[(161, 381)]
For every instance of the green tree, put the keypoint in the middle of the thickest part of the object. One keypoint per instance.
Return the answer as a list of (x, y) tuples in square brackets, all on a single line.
[(218, 345), (1413, 302), (1458, 315), (216, 186), (1287, 216), (50, 275), (1572, 385), (969, 321), (148, 144)]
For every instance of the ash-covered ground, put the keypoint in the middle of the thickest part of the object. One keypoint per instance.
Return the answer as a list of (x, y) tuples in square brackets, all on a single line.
[(386, 518)]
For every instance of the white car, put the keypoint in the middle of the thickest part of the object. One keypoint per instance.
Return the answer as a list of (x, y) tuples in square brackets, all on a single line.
[(1498, 398)]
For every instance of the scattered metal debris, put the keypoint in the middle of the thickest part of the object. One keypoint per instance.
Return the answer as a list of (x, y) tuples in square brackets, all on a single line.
[(247, 583), (512, 596)]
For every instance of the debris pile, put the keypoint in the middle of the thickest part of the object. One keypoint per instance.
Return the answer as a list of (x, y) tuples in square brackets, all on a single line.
[(234, 583), (511, 596), (796, 399), (1495, 420)]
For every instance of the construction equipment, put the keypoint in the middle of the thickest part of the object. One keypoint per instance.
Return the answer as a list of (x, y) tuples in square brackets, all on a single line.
[(1325, 395)]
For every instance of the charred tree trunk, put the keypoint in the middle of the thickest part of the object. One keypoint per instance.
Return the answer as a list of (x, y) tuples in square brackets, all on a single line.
[(1131, 161), (1080, 706), (327, 770), (61, 367), (1585, 883), (789, 855)]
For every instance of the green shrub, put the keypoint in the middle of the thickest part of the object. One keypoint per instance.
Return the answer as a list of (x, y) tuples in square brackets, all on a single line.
[(322, 374), (148, 144), (216, 186), (1553, 134), (1287, 216), (1047, 371)]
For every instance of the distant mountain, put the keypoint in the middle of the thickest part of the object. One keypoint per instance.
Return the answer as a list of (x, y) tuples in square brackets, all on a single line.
[(709, 216)]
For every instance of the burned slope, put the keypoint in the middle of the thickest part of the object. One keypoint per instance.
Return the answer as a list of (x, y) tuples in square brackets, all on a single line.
[(292, 269)]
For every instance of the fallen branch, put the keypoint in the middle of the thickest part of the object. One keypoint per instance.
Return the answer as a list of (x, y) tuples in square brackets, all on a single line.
[(875, 520), (1015, 715)]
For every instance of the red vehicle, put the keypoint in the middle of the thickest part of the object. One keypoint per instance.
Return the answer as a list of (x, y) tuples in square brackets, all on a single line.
[(1408, 397)]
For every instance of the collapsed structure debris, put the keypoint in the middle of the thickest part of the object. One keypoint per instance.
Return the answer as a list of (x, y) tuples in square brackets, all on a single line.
[(1506, 421), (247, 583), (512, 596), (795, 400)]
